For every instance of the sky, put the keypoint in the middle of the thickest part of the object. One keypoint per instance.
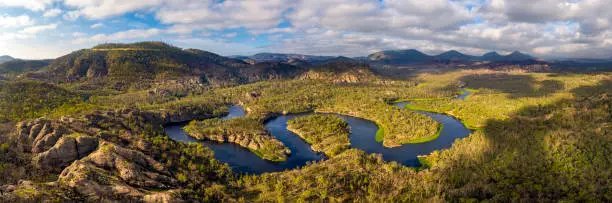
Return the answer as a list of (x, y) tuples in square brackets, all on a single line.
[(36, 29)]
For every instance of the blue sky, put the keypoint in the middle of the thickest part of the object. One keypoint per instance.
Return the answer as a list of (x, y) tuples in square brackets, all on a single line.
[(547, 28)]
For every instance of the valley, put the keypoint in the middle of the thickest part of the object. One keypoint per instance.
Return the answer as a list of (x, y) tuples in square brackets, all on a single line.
[(150, 121)]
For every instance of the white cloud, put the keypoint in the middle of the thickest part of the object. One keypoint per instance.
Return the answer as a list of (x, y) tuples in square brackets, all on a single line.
[(99, 9), (346, 27), (129, 34), (34, 5), (15, 21), (72, 15), (181, 29), (52, 13), (97, 25), (78, 34), (38, 29)]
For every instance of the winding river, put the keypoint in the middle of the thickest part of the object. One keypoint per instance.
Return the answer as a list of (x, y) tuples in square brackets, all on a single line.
[(363, 133)]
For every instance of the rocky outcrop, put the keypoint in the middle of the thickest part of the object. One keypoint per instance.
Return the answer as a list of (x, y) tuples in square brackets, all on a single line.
[(112, 156), (253, 141), (346, 77), (340, 70), (113, 171), (65, 151), (43, 134)]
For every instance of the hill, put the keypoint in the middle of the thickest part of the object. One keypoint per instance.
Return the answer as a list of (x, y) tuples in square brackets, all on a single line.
[(142, 65), (6, 58), (400, 57), (491, 56), (454, 56), (17, 66), (517, 56), (341, 69)]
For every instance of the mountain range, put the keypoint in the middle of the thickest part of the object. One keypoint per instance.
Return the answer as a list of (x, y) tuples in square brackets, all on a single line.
[(391, 57), (146, 64), (411, 56)]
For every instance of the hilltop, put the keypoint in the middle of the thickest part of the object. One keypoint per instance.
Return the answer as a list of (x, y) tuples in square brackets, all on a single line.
[(142, 65), (6, 58)]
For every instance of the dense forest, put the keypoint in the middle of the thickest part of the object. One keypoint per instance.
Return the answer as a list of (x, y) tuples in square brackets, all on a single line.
[(94, 131)]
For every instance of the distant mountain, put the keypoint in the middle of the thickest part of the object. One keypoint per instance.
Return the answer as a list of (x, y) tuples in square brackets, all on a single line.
[(411, 56), (287, 57), (491, 56), (518, 56), (6, 58), (400, 57), (238, 57), (454, 55)]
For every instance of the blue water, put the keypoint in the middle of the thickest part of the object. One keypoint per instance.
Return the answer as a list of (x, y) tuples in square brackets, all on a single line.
[(363, 133), (244, 161), (465, 94)]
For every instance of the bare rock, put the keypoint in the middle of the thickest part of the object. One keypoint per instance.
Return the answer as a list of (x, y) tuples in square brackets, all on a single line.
[(59, 156), (113, 171)]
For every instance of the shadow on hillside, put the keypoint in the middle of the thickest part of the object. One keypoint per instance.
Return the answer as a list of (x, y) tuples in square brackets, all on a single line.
[(518, 86), (542, 153)]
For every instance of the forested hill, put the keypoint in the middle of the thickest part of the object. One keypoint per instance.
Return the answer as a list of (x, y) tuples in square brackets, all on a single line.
[(141, 65), (6, 58), (18, 66)]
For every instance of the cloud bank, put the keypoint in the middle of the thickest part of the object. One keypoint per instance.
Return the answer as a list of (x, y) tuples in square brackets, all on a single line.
[(547, 28)]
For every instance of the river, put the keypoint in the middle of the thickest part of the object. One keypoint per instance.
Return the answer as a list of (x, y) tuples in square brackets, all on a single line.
[(362, 136)]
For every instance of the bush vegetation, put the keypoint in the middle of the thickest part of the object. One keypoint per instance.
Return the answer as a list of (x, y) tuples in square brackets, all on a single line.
[(247, 132), (325, 133)]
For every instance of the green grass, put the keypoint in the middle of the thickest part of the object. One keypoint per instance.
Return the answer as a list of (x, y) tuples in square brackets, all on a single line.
[(471, 90), (424, 162), (262, 156), (380, 133)]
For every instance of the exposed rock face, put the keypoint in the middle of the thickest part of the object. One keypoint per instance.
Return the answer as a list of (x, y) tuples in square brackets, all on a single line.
[(340, 70), (254, 142), (94, 176), (347, 77), (65, 151)]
